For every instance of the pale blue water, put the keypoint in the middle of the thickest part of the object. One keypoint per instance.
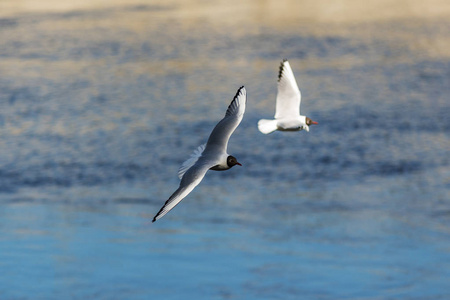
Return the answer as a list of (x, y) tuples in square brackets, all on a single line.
[(96, 117)]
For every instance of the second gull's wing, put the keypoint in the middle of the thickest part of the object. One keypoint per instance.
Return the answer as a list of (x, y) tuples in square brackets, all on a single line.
[(288, 96)]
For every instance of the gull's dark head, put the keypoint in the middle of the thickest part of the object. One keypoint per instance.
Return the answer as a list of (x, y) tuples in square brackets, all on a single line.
[(310, 122), (231, 161)]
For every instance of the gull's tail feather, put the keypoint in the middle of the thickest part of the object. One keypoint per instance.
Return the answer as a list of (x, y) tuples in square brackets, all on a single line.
[(267, 126)]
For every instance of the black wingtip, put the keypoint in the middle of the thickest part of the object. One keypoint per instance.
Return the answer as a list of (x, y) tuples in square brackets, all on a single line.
[(280, 72), (233, 102), (238, 93), (159, 212)]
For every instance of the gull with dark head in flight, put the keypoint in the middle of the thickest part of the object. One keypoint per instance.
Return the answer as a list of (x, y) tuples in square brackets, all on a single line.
[(210, 156), (287, 110)]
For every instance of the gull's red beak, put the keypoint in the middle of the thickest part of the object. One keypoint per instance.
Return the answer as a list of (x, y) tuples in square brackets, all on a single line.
[(315, 123), (238, 164)]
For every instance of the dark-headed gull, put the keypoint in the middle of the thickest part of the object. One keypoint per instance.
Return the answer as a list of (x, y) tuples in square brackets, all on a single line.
[(287, 111), (210, 156)]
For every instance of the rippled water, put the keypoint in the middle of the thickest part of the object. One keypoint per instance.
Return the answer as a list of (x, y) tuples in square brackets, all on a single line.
[(99, 107)]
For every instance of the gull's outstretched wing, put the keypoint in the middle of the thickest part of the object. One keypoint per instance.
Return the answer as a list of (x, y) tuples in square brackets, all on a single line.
[(218, 140), (289, 96), (190, 180)]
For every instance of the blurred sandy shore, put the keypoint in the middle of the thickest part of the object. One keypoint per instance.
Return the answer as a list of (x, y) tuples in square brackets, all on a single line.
[(425, 27), (270, 11)]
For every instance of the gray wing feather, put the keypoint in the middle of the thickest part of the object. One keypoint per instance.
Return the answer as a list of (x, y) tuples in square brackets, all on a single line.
[(190, 180), (218, 140)]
